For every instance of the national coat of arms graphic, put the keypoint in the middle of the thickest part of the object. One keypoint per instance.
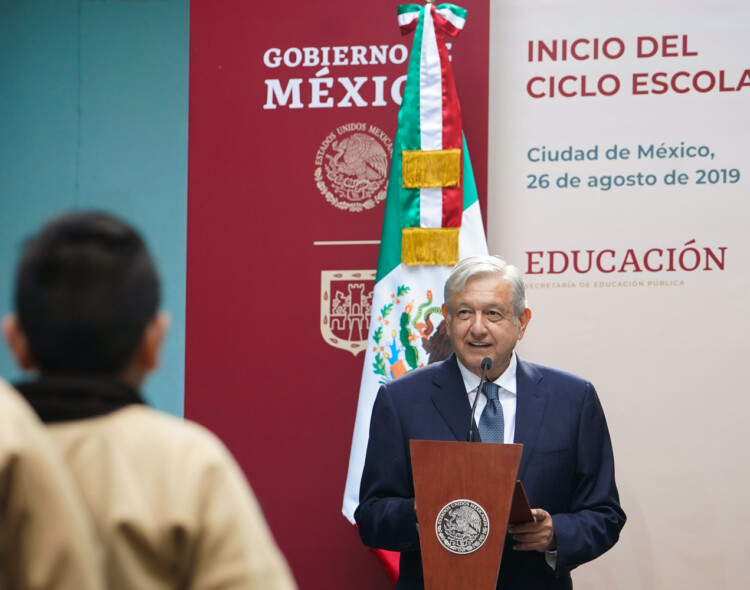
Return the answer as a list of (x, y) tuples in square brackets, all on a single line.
[(410, 333), (352, 166), (462, 526)]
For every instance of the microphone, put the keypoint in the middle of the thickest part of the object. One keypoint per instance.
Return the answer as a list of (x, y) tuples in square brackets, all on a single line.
[(486, 364)]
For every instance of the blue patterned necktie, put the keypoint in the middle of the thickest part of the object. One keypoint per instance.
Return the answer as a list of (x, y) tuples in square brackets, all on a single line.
[(492, 424)]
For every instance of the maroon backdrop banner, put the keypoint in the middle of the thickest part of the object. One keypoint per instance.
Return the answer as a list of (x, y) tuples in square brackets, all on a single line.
[(293, 109)]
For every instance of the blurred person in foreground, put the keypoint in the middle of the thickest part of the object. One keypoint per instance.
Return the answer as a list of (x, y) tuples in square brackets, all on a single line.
[(46, 540), (171, 506), (567, 466)]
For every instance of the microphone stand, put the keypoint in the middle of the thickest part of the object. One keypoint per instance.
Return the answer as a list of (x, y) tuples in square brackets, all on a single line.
[(486, 364)]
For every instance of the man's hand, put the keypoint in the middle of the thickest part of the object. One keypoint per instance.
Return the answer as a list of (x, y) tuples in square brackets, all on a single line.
[(534, 536)]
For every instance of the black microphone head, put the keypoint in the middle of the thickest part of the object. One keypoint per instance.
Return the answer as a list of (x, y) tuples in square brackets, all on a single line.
[(486, 363)]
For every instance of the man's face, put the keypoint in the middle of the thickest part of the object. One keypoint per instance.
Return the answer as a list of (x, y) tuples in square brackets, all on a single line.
[(481, 323)]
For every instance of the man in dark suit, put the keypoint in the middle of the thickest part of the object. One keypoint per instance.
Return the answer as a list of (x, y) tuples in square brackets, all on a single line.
[(567, 466)]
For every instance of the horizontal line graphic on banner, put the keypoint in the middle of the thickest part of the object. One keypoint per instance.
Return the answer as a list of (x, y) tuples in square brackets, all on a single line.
[(346, 243)]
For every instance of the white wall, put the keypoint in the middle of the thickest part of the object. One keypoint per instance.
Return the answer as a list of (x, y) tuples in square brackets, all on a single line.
[(665, 349)]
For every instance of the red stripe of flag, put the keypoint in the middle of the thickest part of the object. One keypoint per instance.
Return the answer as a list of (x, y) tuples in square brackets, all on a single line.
[(452, 131)]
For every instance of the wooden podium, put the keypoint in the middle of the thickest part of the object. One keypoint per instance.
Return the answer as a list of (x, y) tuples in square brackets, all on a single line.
[(463, 498)]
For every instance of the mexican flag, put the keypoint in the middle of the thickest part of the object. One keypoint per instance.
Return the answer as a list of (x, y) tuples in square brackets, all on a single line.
[(432, 219)]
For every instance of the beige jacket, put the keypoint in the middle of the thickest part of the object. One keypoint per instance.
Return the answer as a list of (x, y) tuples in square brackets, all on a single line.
[(45, 538), (172, 508)]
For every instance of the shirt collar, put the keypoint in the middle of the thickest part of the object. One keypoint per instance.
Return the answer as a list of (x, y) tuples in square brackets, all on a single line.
[(62, 398), (507, 380)]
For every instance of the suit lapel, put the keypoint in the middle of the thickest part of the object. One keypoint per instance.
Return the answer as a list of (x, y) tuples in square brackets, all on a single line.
[(531, 402), (450, 398), (452, 403)]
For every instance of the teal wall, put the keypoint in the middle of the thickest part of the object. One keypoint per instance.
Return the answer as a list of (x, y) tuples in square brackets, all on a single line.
[(93, 114)]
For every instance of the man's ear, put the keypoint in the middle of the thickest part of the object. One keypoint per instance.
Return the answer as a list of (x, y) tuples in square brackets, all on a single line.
[(524, 320), (153, 338), (446, 321), (17, 342)]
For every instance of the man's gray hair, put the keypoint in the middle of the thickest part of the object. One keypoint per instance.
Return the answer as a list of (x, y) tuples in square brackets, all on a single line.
[(480, 266)]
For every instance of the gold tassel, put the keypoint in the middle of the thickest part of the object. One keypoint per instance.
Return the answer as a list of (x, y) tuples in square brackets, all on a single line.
[(430, 169), (429, 246)]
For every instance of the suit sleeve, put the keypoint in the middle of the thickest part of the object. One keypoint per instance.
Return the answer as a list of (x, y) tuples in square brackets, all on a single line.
[(385, 516), (593, 524)]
